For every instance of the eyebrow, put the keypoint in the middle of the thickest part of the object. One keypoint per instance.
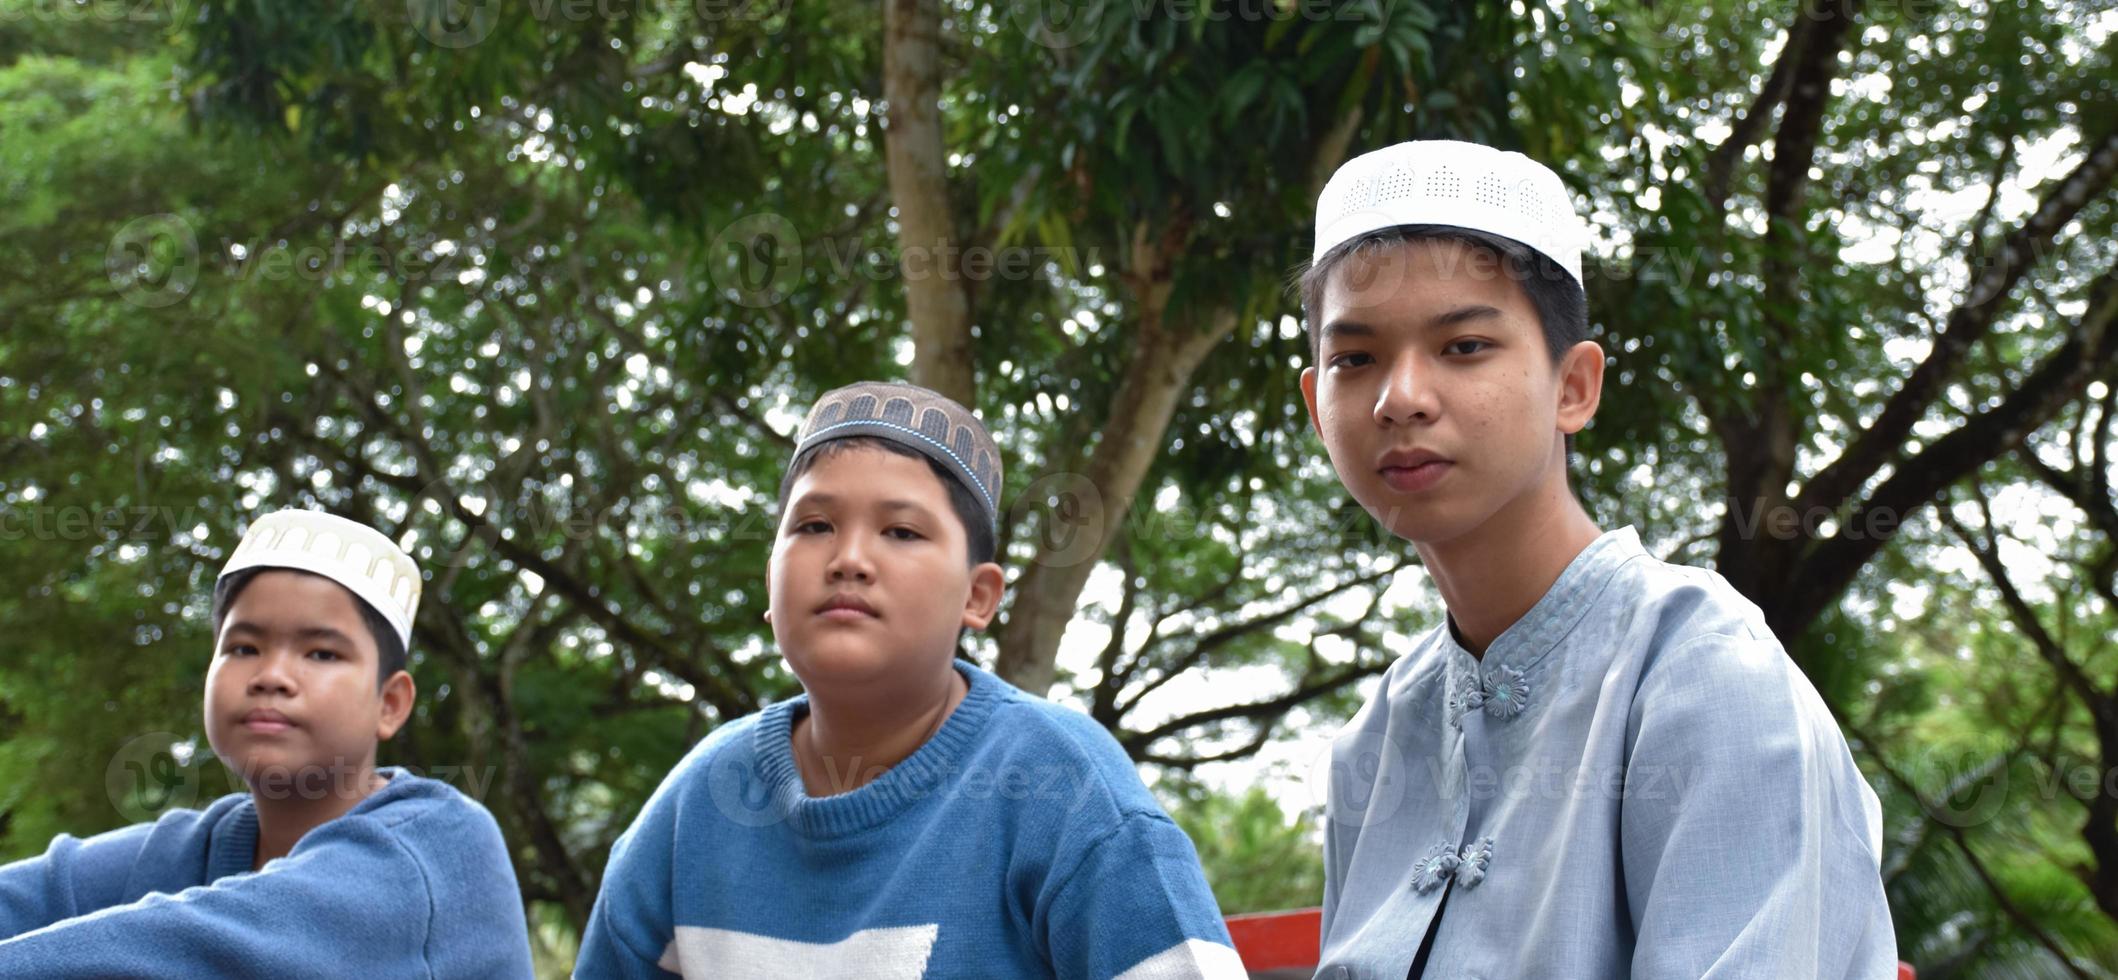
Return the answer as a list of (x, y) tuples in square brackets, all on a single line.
[(894, 504), (1338, 329), (305, 633)]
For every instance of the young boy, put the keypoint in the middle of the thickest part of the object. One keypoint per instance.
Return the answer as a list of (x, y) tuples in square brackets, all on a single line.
[(910, 815), (1599, 765), (328, 866)]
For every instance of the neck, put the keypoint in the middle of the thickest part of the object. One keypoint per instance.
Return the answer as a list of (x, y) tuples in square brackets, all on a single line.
[(1491, 576), (289, 807), (842, 745)]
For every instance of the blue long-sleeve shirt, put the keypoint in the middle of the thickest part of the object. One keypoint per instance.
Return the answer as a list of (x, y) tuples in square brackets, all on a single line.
[(1633, 781), (1017, 842), (412, 882)]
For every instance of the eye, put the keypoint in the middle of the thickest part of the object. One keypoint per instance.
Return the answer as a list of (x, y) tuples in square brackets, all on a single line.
[(812, 527), (904, 534), (239, 650), (1350, 360), (1465, 347), (325, 655)]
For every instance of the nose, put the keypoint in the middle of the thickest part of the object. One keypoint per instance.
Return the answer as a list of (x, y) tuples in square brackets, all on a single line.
[(850, 560), (272, 675), (1407, 394)]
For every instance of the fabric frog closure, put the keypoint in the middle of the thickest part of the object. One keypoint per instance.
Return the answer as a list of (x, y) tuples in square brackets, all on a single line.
[(1501, 693), (1444, 861)]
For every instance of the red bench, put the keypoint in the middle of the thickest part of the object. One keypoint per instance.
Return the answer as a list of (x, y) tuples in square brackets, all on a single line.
[(1277, 945)]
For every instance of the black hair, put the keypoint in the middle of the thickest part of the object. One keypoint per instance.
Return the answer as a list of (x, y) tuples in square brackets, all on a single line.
[(390, 651), (1561, 305), (980, 547)]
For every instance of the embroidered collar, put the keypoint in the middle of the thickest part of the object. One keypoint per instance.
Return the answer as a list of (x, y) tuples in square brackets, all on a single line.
[(1506, 680)]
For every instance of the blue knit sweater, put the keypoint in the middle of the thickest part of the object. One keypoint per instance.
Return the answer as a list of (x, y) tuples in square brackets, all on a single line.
[(413, 882), (1017, 842)]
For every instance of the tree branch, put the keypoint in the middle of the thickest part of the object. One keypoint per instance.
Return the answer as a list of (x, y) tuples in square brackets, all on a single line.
[(1968, 322), (2022, 919), (1225, 635), (1831, 565), (1987, 551), (728, 700), (1271, 708), (1720, 167)]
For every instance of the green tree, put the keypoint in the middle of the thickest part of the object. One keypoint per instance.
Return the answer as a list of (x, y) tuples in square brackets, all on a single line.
[(542, 290), (1256, 859)]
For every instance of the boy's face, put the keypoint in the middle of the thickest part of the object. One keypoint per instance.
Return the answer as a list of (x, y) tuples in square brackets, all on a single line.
[(292, 693), (1434, 390), (868, 580)]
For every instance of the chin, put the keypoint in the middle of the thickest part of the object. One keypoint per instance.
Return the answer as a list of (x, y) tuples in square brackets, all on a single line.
[(835, 662), (1416, 519)]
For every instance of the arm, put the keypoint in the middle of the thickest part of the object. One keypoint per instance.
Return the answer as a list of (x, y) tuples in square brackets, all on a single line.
[(1134, 904), (1747, 844), (354, 897), (1334, 869), (73, 877), (632, 924)]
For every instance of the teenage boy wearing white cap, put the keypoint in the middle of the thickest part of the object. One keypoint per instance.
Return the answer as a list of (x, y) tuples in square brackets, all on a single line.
[(329, 866), (908, 815), (1599, 764)]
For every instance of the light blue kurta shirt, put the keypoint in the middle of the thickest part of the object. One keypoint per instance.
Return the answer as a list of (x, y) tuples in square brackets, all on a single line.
[(1633, 781)]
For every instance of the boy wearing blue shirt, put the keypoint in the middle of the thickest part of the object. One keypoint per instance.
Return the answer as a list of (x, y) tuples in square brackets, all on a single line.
[(1599, 765), (910, 815), (328, 866)]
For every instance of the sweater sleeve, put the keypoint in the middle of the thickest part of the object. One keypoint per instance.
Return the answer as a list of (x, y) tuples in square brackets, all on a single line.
[(1750, 841), (632, 924), (1134, 905), (356, 896), (72, 877)]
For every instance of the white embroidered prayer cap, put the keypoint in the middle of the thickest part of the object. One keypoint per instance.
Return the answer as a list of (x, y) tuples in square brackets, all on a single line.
[(352, 554), (1447, 182)]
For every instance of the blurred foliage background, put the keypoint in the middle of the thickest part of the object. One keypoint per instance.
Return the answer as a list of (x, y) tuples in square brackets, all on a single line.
[(542, 289)]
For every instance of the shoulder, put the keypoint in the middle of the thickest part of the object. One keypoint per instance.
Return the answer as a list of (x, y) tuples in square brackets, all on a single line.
[(719, 771), (1730, 694), (180, 831), (188, 821), (730, 741), (1694, 632), (423, 820), (1411, 690), (1675, 604), (1703, 653), (1420, 672), (419, 823), (1035, 741)]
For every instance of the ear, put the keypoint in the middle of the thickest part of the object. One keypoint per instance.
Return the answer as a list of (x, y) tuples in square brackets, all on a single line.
[(987, 582), (1580, 385), (398, 693), (1309, 399)]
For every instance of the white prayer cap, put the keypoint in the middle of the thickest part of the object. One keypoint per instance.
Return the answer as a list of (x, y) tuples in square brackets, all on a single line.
[(354, 555), (1446, 182)]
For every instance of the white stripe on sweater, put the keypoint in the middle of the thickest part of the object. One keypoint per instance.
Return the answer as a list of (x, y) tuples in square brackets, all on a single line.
[(1193, 959), (898, 953)]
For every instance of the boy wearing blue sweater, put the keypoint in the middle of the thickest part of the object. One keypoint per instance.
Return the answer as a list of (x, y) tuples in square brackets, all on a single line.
[(910, 815), (328, 866)]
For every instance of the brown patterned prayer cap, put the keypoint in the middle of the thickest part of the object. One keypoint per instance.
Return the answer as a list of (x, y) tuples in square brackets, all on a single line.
[(920, 419)]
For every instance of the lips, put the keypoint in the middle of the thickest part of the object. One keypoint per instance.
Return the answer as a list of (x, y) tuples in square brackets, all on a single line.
[(266, 721), (846, 605), (1413, 470)]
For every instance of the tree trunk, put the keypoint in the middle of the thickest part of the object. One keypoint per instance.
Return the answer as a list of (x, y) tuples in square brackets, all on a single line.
[(935, 297), (1164, 356), (1132, 436)]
